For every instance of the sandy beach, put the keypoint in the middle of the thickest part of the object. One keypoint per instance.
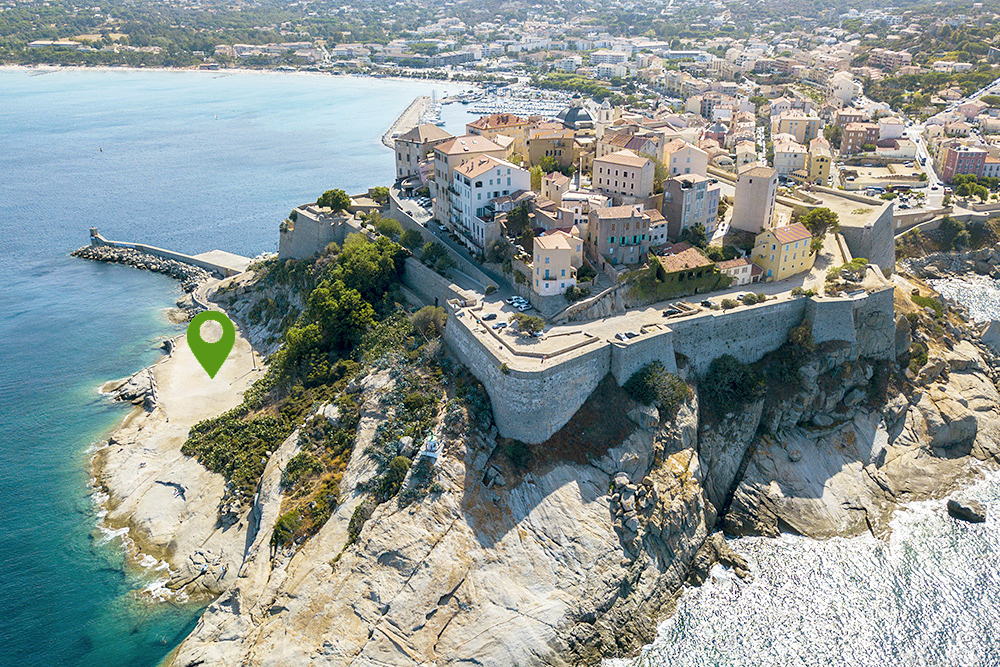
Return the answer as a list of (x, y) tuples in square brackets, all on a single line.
[(167, 501)]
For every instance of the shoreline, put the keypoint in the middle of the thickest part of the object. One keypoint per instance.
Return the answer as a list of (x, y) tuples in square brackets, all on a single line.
[(49, 68), (162, 504)]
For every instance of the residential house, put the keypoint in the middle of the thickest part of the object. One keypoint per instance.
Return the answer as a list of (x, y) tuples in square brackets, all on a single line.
[(554, 185), (505, 124), (783, 251), (685, 270), (955, 157), (556, 256), (844, 117), (690, 200), (802, 127), (450, 154), (741, 270), (619, 234), (478, 183), (414, 146), (552, 140), (624, 176), (789, 155), (681, 157), (820, 161), (857, 136)]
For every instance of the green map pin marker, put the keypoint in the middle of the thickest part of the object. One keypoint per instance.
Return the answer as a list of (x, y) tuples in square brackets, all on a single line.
[(211, 356)]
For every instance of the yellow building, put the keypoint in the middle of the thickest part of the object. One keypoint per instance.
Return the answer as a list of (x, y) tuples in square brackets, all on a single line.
[(555, 259), (783, 251), (820, 160)]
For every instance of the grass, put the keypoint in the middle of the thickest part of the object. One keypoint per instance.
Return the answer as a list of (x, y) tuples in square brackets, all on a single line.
[(928, 302)]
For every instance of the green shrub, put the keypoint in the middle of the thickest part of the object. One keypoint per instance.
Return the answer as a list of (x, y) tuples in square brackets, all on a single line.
[(411, 239), (729, 385), (361, 514), (528, 324), (928, 302), (918, 357), (653, 384), (750, 299), (728, 304), (285, 528), (393, 479), (299, 468)]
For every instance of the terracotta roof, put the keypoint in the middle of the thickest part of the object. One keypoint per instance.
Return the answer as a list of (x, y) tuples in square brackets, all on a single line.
[(626, 158), (626, 211), (424, 133), (763, 172), (684, 260), (557, 177), (734, 263), (791, 233), (467, 144), (480, 165), (655, 216), (553, 242), (497, 120)]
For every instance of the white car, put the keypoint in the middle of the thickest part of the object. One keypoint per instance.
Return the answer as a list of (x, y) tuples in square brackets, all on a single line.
[(523, 307)]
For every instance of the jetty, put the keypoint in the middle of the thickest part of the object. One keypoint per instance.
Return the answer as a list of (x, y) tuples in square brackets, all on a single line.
[(407, 120), (218, 262)]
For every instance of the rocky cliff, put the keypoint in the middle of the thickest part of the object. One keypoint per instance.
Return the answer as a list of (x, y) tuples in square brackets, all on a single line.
[(578, 553)]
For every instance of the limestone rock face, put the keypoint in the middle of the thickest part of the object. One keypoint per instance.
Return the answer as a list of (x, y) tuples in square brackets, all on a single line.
[(560, 567)]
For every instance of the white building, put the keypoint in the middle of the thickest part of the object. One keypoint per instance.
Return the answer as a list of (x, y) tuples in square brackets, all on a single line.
[(478, 182)]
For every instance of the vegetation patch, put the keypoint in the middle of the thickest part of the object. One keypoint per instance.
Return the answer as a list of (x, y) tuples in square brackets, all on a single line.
[(728, 386), (653, 384)]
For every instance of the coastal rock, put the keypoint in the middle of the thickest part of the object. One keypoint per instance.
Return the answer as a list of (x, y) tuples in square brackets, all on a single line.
[(966, 510), (444, 579)]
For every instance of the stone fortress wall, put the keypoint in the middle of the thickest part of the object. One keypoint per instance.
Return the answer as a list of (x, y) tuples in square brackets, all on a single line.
[(531, 405)]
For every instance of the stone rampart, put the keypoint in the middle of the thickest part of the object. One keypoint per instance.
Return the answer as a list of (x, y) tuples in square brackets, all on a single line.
[(529, 405), (832, 319), (747, 332)]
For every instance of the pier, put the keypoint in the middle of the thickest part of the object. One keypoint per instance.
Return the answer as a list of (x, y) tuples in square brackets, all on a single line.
[(219, 262), (407, 120)]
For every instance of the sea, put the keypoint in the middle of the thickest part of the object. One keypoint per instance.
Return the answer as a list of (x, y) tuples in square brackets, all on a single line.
[(190, 161), (194, 161)]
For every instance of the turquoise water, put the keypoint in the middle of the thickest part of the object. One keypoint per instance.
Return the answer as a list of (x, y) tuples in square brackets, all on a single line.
[(191, 161)]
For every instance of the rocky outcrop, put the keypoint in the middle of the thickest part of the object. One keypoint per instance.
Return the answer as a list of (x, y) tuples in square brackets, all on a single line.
[(559, 566), (967, 510), (984, 261), (836, 460)]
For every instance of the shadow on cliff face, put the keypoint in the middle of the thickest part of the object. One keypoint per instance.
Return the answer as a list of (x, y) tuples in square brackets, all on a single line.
[(515, 478)]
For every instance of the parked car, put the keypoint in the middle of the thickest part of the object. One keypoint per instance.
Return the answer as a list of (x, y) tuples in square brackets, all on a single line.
[(706, 304), (935, 187), (489, 316), (739, 297), (523, 307), (442, 227), (512, 299), (499, 325), (631, 334), (621, 336), (671, 310)]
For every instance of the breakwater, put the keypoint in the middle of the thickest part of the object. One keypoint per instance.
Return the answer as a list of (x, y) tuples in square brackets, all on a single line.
[(406, 121), (189, 276)]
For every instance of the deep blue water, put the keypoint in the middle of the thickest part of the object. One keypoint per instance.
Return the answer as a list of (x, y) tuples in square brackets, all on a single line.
[(187, 160)]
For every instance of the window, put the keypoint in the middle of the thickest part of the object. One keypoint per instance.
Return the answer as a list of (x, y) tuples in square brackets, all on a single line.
[(564, 273), (547, 260)]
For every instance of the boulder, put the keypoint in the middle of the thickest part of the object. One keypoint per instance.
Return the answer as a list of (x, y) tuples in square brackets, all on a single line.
[(966, 510), (903, 336), (991, 336)]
